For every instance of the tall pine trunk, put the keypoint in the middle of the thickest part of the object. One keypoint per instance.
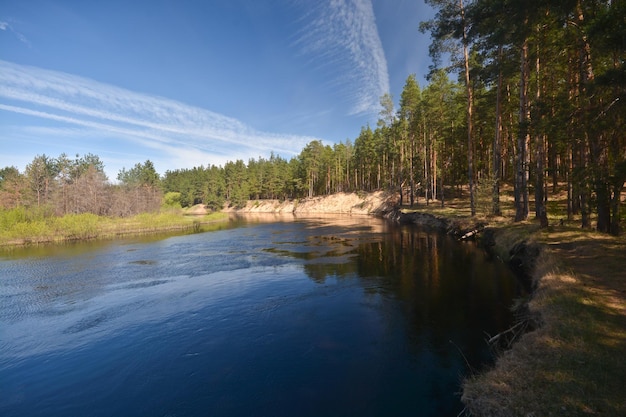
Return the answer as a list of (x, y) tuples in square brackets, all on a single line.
[(590, 145), (523, 138), (412, 173), (540, 203), (470, 110), (497, 140)]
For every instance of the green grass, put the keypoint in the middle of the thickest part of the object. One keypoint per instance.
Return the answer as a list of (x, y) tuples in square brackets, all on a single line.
[(20, 226)]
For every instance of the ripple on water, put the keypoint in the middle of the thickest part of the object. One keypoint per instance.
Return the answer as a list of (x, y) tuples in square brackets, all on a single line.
[(143, 262), (96, 319), (148, 284)]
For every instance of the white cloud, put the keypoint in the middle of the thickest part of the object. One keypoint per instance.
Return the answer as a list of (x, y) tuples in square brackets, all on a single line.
[(343, 34), (6, 26), (180, 132)]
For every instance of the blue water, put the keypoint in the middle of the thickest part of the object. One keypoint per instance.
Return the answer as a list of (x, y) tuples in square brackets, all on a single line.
[(293, 317)]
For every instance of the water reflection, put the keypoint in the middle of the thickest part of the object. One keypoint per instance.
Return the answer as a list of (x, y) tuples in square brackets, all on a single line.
[(449, 291), (302, 316)]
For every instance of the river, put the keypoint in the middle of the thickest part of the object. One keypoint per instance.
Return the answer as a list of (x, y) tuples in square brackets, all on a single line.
[(263, 317)]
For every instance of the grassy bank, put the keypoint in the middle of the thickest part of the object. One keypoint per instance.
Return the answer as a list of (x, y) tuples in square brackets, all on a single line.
[(22, 227), (572, 363)]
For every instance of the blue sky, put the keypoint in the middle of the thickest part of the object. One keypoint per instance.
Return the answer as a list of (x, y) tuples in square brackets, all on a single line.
[(188, 83)]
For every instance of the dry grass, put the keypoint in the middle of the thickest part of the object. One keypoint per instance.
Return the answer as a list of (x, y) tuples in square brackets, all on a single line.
[(571, 365), (574, 363)]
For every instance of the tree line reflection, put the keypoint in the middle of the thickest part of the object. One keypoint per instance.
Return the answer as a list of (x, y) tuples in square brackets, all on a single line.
[(444, 287)]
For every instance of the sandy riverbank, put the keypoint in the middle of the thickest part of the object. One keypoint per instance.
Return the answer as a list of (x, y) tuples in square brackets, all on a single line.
[(341, 203)]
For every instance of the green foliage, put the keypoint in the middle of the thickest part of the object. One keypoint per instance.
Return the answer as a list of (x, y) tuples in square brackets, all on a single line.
[(37, 230), (483, 195), (172, 199), (215, 186), (75, 226), (25, 226), (39, 224), (9, 218), (237, 186), (141, 175)]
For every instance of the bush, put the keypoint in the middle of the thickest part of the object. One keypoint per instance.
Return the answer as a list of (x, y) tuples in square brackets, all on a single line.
[(76, 226), (26, 223), (30, 230), (172, 200), (157, 220), (9, 218)]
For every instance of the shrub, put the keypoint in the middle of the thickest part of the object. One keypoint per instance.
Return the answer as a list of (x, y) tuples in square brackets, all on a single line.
[(9, 218), (172, 200), (30, 230), (76, 226)]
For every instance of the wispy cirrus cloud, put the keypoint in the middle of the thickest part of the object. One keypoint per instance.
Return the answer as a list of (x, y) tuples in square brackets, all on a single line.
[(8, 27), (343, 34), (183, 133)]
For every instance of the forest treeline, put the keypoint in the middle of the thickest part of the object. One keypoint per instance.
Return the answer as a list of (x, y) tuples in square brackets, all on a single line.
[(60, 186), (528, 93)]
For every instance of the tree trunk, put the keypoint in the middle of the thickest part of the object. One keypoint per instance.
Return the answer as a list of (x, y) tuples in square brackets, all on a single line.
[(497, 139), (434, 171), (615, 206), (470, 100), (588, 151), (570, 183), (412, 173), (603, 197), (521, 160), (540, 204), (426, 172), (540, 195)]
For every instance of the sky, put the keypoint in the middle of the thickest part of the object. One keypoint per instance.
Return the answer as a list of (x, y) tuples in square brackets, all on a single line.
[(186, 83)]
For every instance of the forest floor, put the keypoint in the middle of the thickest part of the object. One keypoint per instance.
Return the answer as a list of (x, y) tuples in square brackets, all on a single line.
[(573, 362)]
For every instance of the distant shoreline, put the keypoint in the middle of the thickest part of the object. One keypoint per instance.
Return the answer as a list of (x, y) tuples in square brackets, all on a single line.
[(87, 227)]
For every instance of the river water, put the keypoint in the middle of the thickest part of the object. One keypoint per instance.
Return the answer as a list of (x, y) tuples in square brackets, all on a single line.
[(280, 317)]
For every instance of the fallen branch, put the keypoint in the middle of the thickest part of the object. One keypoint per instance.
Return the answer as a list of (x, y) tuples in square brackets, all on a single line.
[(510, 330), (469, 234)]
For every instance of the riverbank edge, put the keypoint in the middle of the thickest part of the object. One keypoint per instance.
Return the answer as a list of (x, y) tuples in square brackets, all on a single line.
[(521, 255), (186, 223), (556, 357)]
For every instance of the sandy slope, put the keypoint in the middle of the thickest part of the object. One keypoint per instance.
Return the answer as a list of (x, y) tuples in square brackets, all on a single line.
[(343, 203)]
